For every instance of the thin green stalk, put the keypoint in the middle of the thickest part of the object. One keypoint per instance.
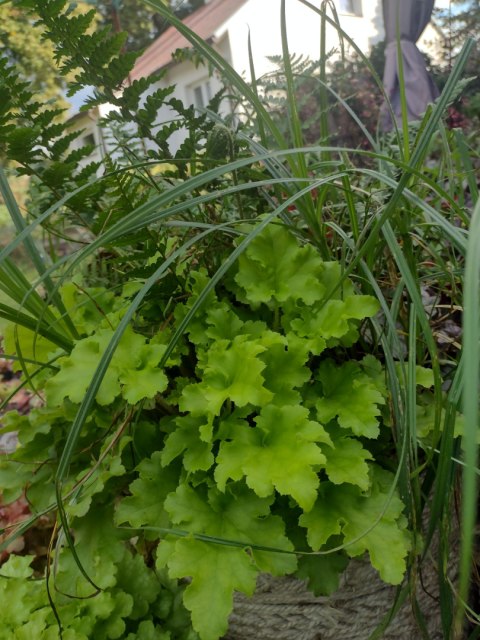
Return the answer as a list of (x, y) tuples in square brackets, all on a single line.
[(254, 83), (465, 157), (471, 382), (403, 93), (323, 97)]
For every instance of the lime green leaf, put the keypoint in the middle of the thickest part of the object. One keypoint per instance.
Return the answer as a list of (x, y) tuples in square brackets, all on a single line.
[(376, 373), (359, 307), (28, 344), (350, 396), (275, 268), (233, 372), (216, 572), (280, 453), (305, 331), (222, 323), (186, 440), (346, 462), (424, 377), (18, 567), (77, 370), (87, 307), (286, 369), (20, 597), (132, 370), (370, 521), (145, 381), (148, 493), (332, 319), (237, 515)]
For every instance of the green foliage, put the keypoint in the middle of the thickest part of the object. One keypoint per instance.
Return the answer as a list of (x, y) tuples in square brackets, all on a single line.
[(217, 570), (368, 521), (351, 396), (21, 44), (136, 604), (256, 417), (133, 372), (140, 22), (49, 151), (221, 394)]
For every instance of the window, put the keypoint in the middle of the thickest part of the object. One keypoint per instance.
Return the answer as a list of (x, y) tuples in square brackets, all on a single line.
[(351, 7), (89, 139), (202, 94)]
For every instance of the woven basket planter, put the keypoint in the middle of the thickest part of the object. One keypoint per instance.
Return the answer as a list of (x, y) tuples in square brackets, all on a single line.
[(283, 608)]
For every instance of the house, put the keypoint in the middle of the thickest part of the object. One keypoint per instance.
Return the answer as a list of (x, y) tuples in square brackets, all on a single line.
[(91, 134), (226, 26)]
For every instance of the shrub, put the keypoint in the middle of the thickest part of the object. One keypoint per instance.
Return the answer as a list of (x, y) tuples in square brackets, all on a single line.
[(237, 366)]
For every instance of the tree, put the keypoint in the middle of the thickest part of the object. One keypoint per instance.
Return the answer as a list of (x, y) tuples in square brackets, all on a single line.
[(21, 45), (139, 20), (460, 22), (21, 42)]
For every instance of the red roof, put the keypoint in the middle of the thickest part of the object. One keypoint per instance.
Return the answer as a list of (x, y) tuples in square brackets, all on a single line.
[(205, 21)]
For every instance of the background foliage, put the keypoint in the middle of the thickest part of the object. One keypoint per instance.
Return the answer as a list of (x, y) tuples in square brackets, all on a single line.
[(143, 24)]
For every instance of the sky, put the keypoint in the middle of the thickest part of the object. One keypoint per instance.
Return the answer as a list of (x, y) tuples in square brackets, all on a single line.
[(444, 4), (79, 99)]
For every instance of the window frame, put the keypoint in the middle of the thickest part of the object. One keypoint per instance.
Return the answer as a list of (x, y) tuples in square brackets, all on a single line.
[(203, 90)]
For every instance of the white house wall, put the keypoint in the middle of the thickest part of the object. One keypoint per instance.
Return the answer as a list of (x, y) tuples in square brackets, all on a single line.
[(185, 77), (261, 18), (87, 123)]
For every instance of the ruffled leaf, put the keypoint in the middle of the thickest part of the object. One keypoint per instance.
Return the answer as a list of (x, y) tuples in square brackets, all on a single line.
[(233, 371), (346, 462), (368, 521), (276, 269), (280, 453), (351, 396)]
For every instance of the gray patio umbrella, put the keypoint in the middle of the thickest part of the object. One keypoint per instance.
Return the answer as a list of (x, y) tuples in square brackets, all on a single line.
[(408, 19)]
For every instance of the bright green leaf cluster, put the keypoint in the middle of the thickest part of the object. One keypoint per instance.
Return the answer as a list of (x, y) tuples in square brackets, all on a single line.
[(218, 569), (261, 421), (367, 520), (136, 603), (133, 371), (253, 440)]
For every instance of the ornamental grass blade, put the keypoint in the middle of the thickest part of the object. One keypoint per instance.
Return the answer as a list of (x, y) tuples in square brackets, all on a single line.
[(471, 385), (32, 251)]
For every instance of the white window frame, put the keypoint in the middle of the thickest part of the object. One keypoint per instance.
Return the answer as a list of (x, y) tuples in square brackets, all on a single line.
[(201, 93)]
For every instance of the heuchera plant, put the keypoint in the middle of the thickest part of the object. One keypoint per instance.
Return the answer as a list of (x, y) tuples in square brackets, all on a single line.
[(249, 451)]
